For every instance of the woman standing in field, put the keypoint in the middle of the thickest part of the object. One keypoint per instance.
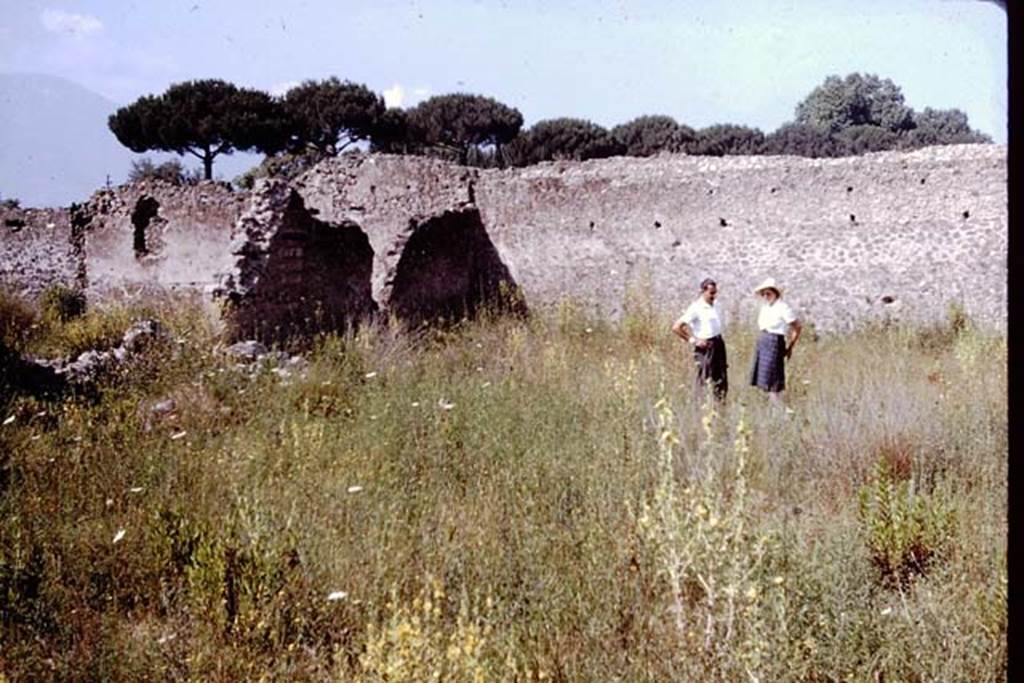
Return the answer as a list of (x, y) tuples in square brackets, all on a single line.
[(776, 320)]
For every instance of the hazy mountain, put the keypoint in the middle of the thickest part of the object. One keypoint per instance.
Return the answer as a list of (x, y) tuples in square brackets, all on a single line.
[(55, 147)]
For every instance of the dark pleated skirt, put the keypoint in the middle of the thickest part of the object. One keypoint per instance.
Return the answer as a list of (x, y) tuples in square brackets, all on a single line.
[(768, 371), (712, 367)]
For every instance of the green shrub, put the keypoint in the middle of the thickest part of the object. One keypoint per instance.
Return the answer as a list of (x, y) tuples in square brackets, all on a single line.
[(905, 530), (60, 303), (171, 171)]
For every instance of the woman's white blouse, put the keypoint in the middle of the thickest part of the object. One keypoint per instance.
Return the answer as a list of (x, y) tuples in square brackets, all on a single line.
[(775, 317)]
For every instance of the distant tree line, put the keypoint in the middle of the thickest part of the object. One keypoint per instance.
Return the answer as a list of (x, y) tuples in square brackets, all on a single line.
[(318, 119)]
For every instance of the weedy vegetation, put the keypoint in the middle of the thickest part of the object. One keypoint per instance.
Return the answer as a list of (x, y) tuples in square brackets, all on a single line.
[(505, 500)]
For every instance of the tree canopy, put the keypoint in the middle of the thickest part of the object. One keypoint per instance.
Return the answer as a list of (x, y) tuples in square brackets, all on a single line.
[(856, 100), (942, 127), (458, 121), (648, 135), (726, 138), (566, 138), (204, 118), (801, 140), (394, 133), (330, 115)]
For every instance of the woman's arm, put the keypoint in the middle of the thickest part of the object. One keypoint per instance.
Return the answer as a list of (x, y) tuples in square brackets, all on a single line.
[(795, 328)]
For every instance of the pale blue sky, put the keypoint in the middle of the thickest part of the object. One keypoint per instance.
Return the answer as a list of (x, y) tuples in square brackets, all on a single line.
[(746, 62)]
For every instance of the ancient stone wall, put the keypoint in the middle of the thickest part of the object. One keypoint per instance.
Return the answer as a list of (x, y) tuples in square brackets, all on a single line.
[(36, 250), (293, 274), (385, 194), (888, 235), (153, 234)]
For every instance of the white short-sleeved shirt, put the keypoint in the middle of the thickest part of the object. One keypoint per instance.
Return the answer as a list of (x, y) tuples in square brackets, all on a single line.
[(775, 317), (704, 320)]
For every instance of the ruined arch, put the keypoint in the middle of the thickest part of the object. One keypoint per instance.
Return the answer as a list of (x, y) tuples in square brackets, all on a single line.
[(449, 269), (296, 275)]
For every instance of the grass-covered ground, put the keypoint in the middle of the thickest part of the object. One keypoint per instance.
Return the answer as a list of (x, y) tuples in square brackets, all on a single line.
[(535, 499)]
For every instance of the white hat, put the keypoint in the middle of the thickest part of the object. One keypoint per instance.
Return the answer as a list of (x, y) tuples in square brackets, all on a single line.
[(768, 283)]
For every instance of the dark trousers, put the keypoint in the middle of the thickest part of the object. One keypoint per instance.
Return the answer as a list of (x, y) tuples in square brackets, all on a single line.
[(712, 367)]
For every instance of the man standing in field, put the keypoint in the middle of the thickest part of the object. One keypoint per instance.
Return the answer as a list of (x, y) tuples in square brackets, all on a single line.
[(701, 327)]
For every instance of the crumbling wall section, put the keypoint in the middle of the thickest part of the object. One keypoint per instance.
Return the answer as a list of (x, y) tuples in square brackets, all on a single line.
[(293, 275), (383, 194), (155, 235)]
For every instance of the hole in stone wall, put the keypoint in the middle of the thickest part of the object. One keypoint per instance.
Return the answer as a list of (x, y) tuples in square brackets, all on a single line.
[(591, 225), (887, 299), (966, 214), (677, 243), (849, 188), (657, 224), (711, 191), (853, 219), (774, 190), (922, 181), (15, 224), (145, 210), (722, 223)]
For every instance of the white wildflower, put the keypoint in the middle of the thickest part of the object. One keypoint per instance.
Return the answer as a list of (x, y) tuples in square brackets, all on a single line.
[(9, 420), (415, 404), (444, 405), (336, 595), (135, 489), (355, 489), (179, 435), (118, 536), (370, 375)]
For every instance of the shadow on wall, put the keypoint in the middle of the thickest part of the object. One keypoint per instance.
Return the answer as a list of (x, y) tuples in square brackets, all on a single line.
[(449, 270), (308, 277)]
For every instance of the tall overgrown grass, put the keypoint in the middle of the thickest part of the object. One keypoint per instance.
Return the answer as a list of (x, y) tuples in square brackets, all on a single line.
[(536, 499)]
